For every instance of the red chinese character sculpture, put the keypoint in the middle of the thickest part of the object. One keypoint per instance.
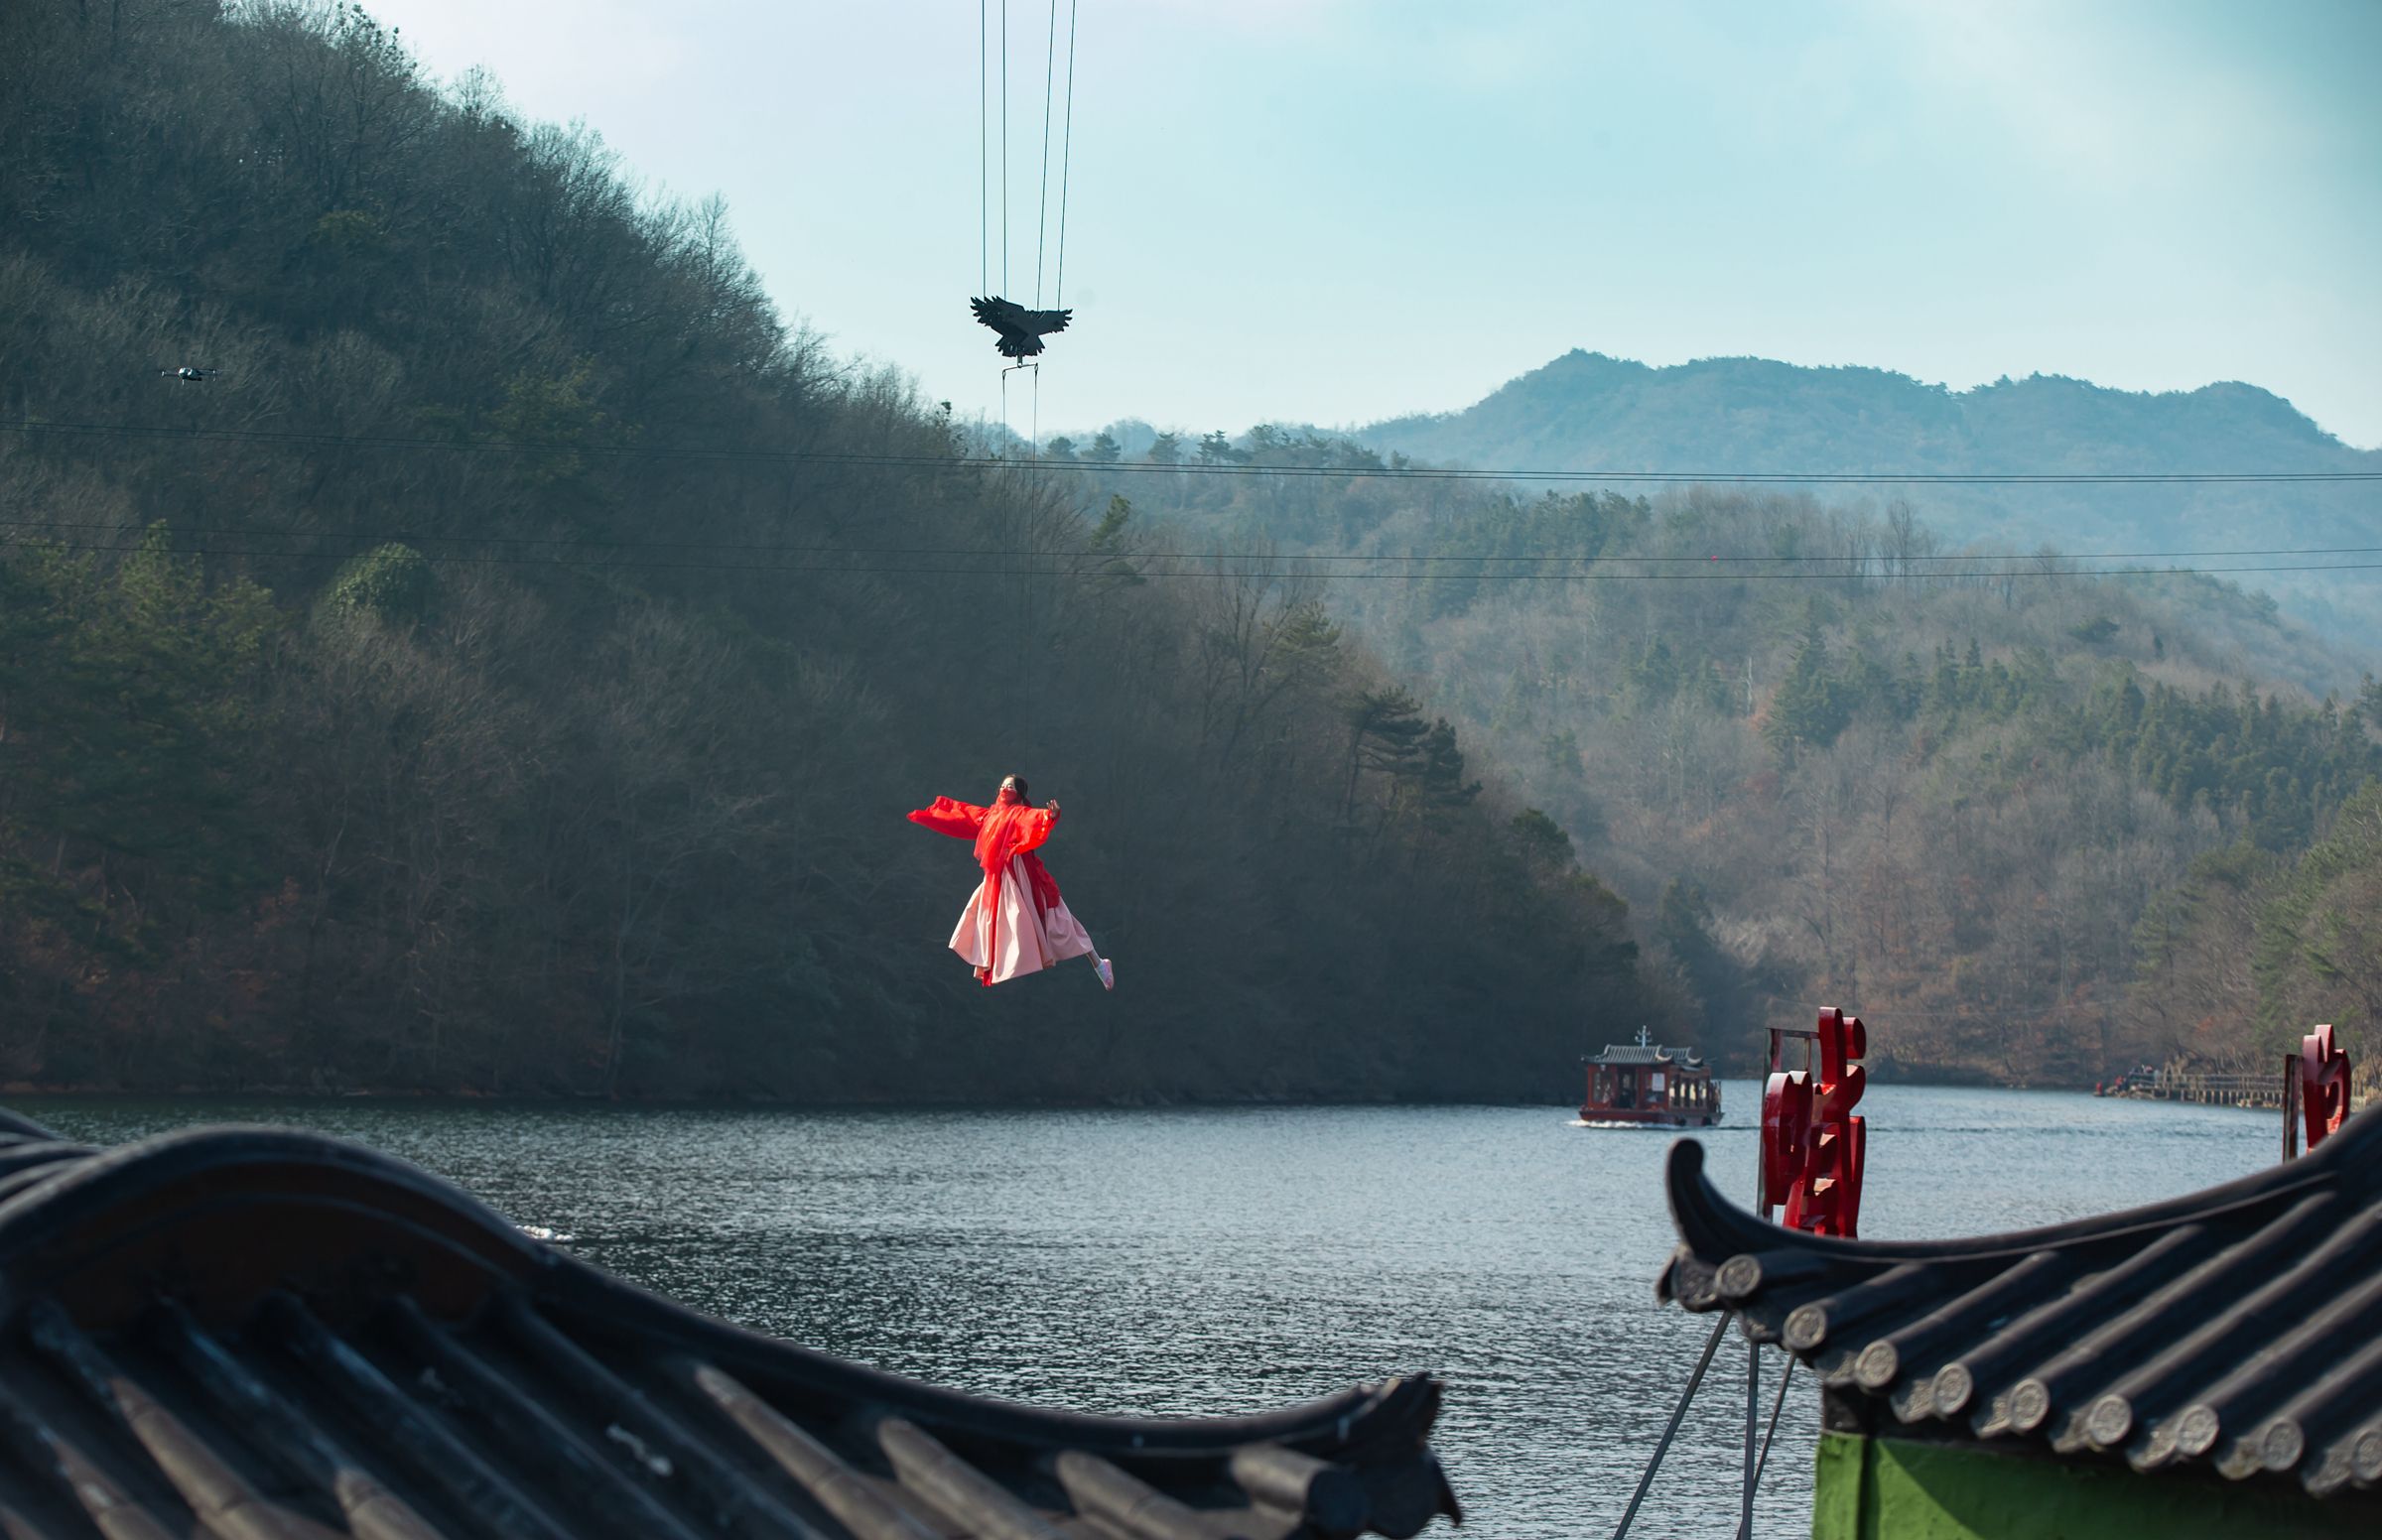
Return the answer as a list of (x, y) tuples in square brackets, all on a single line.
[(1786, 1130), (2323, 1084), (1811, 1142)]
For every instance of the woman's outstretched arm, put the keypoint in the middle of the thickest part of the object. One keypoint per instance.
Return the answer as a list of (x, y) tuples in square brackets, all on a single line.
[(959, 820)]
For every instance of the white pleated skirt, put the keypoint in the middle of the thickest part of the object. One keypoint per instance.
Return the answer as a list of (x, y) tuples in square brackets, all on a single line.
[(1020, 938)]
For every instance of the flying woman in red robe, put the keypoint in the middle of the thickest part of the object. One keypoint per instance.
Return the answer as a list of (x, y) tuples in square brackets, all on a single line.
[(1016, 921)]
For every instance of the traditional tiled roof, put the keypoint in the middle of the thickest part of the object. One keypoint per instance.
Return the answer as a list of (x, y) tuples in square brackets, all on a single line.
[(1645, 1053), (2238, 1328), (274, 1335)]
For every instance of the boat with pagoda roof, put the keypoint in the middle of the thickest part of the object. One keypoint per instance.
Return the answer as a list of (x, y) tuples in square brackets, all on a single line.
[(1646, 1084)]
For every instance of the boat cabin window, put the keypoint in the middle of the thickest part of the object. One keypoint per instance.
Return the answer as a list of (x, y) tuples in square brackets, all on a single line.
[(1626, 1096)]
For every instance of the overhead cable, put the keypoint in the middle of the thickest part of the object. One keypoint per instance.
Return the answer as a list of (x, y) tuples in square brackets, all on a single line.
[(1192, 469), (1096, 563)]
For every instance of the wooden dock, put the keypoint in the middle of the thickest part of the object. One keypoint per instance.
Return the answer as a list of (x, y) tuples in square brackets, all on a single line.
[(2209, 1087), (2262, 1090)]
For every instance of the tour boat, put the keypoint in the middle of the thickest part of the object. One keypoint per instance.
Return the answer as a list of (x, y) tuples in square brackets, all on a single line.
[(1645, 1084)]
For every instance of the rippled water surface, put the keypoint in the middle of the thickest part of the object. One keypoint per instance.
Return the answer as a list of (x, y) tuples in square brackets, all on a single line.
[(1180, 1262)]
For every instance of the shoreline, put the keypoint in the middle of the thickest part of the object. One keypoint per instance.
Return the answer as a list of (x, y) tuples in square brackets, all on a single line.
[(24, 1095)]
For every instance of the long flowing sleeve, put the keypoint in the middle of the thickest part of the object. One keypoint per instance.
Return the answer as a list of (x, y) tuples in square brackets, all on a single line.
[(959, 820), (1034, 829)]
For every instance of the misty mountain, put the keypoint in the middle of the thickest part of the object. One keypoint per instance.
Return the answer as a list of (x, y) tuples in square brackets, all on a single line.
[(1586, 410)]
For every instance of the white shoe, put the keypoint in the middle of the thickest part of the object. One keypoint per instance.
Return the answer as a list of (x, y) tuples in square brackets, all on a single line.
[(1106, 972)]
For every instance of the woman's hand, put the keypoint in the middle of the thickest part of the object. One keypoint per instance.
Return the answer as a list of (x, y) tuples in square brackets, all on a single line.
[(1053, 805)]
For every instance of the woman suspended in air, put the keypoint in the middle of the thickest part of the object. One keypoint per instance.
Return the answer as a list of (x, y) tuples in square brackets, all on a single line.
[(1015, 922)]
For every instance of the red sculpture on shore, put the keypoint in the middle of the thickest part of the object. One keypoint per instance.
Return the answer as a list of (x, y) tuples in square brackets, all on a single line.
[(2323, 1084), (1811, 1142)]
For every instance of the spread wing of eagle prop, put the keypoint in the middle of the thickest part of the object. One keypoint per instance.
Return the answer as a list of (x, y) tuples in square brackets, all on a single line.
[(1021, 330)]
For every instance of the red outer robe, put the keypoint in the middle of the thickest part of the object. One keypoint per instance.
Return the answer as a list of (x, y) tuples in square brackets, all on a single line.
[(1007, 829)]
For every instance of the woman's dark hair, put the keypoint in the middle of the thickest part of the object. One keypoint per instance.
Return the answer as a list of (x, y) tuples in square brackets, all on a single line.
[(1020, 782)]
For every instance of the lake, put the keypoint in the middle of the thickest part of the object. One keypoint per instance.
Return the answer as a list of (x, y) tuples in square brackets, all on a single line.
[(1207, 1260)]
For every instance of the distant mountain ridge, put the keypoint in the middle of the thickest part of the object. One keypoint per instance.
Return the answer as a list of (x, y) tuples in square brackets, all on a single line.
[(1587, 411)]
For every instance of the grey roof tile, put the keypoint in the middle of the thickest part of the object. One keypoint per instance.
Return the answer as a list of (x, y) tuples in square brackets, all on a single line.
[(1641, 1053), (2237, 1329), (281, 1334)]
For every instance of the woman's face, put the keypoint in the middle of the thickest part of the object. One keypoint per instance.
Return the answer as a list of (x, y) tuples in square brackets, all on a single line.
[(1009, 788)]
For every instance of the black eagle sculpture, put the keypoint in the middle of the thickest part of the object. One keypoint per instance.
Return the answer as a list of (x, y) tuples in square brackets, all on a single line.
[(1021, 330)]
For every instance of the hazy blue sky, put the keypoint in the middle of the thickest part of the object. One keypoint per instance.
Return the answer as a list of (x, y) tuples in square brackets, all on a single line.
[(1334, 211)]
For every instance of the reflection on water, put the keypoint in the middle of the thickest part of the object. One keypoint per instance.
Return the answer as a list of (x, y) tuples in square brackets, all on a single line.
[(1178, 1262)]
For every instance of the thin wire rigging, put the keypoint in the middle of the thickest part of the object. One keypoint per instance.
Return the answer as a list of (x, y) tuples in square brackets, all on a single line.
[(1050, 50), (1058, 296), (1004, 146), (983, 152)]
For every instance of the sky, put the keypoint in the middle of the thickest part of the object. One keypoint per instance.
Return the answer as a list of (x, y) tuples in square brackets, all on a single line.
[(1334, 211)]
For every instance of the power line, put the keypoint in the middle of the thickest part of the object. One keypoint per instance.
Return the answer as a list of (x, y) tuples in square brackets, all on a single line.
[(1098, 564), (1193, 468), (384, 536)]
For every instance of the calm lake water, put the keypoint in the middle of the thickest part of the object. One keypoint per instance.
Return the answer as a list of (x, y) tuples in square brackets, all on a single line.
[(1179, 1262)]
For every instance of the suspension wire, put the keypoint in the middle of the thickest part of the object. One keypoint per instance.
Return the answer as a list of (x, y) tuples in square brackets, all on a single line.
[(983, 153), (1033, 429), (1043, 212), (1058, 296), (1005, 148)]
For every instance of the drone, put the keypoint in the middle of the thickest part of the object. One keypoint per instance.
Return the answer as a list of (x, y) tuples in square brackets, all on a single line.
[(1021, 330), (189, 375)]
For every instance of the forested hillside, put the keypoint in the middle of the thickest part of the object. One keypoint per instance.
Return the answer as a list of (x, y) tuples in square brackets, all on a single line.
[(2037, 824), (1585, 411), (2268, 940), (509, 672)]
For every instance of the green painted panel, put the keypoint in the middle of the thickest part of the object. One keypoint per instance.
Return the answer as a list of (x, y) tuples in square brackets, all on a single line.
[(1892, 1490), (1843, 1463)]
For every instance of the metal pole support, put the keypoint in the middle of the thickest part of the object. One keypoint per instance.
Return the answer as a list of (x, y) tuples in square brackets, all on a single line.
[(1677, 1414)]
